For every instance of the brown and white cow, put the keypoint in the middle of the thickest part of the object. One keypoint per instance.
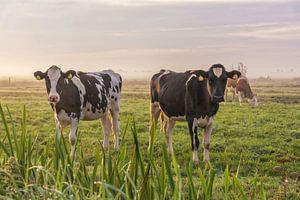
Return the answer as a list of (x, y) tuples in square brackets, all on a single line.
[(76, 96), (243, 91), (241, 88)]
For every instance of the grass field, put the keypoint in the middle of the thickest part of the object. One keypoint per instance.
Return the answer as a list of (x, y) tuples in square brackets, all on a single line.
[(261, 142)]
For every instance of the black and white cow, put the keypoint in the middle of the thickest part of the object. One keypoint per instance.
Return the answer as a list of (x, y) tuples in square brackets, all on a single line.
[(193, 96), (78, 96)]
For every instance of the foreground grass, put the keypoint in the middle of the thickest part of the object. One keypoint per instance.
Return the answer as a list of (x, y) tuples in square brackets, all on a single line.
[(28, 173), (259, 145)]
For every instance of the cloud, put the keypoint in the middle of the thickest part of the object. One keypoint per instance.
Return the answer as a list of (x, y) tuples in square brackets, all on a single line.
[(168, 2), (272, 32)]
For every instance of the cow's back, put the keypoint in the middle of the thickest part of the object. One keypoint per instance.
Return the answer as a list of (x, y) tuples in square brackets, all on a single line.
[(169, 91), (243, 86), (100, 89), (154, 86)]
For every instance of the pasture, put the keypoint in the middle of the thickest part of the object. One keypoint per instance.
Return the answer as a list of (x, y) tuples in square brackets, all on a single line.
[(257, 144)]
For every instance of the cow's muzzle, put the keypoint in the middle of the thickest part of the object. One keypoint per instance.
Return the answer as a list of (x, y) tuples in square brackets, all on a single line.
[(53, 99), (218, 98)]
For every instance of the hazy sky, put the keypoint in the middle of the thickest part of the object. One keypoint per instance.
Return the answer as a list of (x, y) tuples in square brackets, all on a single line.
[(138, 37)]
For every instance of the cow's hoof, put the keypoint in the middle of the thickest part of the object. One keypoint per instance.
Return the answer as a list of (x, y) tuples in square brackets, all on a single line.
[(207, 164), (170, 151), (195, 157), (105, 147), (196, 161), (72, 156), (116, 147)]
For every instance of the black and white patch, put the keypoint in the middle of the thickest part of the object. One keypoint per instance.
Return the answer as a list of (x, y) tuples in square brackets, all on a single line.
[(193, 96)]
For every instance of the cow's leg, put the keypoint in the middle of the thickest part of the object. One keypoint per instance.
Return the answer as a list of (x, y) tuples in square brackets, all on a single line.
[(170, 126), (106, 124), (233, 95), (206, 139), (240, 97), (58, 125), (115, 121), (163, 122), (154, 112), (73, 134), (192, 124), (226, 94), (154, 115)]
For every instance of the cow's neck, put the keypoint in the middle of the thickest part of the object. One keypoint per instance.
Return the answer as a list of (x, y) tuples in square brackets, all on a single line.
[(206, 106), (213, 108), (248, 93)]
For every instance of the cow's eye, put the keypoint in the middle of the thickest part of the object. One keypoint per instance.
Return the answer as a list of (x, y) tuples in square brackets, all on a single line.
[(211, 81)]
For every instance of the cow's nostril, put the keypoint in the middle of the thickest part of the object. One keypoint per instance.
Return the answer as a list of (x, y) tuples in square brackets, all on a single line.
[(53, 99), (218, 98)]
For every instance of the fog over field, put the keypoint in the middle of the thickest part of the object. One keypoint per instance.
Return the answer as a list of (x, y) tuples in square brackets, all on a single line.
[(138, 38)]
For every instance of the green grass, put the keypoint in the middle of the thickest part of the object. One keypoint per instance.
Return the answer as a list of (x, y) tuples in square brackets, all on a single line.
[(260, 146)]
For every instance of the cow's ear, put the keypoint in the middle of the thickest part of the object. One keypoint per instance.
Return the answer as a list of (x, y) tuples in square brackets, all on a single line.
[(39, 75), (201, 74), (234, 74), (69, 74)]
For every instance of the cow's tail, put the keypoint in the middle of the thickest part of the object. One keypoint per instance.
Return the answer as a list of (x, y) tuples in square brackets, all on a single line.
[(120, 83)]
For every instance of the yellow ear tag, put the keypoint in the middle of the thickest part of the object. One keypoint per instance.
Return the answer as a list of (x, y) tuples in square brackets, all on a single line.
[(235, 77), (200, 78), (38, 77), (70, 76)]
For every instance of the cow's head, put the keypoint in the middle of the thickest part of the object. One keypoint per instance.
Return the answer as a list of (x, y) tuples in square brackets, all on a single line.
[(54, 79), (253, 102), (217, 79)]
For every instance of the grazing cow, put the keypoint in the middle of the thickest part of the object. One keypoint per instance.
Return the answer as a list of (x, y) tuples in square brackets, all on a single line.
[(78, 96), (192, 96), (243, 90)]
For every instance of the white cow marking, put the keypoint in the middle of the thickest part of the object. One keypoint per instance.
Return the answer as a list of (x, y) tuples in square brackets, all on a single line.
[(203, 121), (81, 90), (62, 118), (179, 118), (218, 71), (54, 75), (88, 113), (190, 78), (99, 88)]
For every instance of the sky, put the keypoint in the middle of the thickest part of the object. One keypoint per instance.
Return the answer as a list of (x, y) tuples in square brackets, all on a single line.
[(138, 37)]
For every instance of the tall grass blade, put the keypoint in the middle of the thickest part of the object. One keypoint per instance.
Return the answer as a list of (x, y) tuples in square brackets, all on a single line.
[(190, 181), (168, 169), (7, 132), (226, 182), (240, 188)]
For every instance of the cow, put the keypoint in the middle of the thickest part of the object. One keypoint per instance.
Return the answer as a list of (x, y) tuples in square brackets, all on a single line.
[(75, 96), (243, 90), (191, 96)]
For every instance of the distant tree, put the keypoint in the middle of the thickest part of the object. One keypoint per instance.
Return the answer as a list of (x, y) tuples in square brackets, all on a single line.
[(242, 68)]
